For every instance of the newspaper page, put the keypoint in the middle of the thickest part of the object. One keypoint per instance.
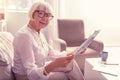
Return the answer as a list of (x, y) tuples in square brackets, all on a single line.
[(86, 43)]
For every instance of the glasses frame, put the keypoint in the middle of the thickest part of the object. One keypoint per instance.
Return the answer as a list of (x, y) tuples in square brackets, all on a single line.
[(43, 14)]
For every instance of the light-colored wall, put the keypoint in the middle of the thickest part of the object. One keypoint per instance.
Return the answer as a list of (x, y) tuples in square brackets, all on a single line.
[(15, 20), (97, 14)]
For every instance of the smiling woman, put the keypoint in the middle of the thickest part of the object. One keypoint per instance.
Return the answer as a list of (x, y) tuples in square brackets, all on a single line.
[(34, 58)]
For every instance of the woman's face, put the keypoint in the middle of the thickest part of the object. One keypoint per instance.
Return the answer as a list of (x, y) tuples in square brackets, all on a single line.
[(41, 18)]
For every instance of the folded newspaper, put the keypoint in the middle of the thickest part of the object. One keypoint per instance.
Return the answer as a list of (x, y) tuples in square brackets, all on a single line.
[(108, 69), (86, 43)]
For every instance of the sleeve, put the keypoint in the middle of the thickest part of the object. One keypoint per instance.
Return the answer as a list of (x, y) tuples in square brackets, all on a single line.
[(53, 54), (24, 46)]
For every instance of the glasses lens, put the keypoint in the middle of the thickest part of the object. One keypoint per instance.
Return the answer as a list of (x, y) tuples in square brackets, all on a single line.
[(41, 14)]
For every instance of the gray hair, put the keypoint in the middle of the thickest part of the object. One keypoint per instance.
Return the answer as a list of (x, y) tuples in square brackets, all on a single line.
[(39, 6)]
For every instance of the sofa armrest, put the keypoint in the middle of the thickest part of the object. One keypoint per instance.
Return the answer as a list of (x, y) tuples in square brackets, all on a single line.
[(59, 44), (97, 45), (94, 49)]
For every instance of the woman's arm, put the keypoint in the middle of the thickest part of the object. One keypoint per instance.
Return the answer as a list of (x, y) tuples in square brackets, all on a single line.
[(58, 62), (24, 47)]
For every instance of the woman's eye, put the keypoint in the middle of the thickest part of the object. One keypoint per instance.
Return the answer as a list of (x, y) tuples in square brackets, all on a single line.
[(41, 14)]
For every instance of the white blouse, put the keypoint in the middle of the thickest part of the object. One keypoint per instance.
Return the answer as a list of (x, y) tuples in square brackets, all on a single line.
[(31, 51)]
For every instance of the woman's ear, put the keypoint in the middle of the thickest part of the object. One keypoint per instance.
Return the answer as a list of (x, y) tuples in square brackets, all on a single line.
[(33, 15)]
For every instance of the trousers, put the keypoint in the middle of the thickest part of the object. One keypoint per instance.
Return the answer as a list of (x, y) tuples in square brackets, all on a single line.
[(71, 72)]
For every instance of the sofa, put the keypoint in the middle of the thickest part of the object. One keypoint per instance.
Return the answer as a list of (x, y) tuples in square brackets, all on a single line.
[(6, 56)]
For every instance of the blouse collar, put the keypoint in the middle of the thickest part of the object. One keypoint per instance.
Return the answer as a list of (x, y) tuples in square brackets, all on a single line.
[(33, 30)]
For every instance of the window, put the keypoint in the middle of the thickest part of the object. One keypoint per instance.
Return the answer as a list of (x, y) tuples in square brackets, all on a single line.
[(18, 4)]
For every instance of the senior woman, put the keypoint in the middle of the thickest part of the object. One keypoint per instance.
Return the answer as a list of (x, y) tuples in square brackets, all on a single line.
[(32, 52)]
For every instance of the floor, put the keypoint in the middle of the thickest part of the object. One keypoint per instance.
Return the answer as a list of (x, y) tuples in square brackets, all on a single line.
[(113, 59)]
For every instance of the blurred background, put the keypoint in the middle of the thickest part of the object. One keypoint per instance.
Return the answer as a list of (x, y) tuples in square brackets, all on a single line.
[(97, 14)]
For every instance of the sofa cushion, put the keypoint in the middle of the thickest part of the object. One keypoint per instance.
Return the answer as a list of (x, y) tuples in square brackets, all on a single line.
[(6, 55), (6, 48), (5, 73)]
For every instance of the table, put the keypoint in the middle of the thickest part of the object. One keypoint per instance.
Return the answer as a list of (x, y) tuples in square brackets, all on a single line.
[(93, 72), (113, 58)]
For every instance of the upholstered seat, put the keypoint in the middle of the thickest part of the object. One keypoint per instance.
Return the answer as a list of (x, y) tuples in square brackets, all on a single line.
[(6, 56), (73, 33)]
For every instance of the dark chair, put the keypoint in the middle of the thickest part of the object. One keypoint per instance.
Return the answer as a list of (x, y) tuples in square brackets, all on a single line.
[(73, 33)]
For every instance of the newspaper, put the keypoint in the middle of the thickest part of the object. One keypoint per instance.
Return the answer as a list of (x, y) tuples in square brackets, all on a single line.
[(107, 69), (86, 43)]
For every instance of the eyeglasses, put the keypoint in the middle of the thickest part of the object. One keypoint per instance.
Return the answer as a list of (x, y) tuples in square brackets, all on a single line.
[(42, 14)]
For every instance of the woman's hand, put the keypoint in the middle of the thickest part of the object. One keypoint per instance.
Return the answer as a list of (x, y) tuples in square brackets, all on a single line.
[(59, 62), (83, 51), (71, 53), (63, 61)]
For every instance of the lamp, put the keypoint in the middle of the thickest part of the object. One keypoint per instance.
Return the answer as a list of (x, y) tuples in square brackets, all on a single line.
[(1, 13)]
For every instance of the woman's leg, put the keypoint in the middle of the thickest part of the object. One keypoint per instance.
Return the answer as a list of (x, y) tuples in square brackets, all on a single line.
[(71, 72), (75, 73), (57, 76)]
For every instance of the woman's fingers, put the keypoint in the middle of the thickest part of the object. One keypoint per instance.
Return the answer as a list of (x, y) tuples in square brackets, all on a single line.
[(63, 61), (83, 51), (69, 57)]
